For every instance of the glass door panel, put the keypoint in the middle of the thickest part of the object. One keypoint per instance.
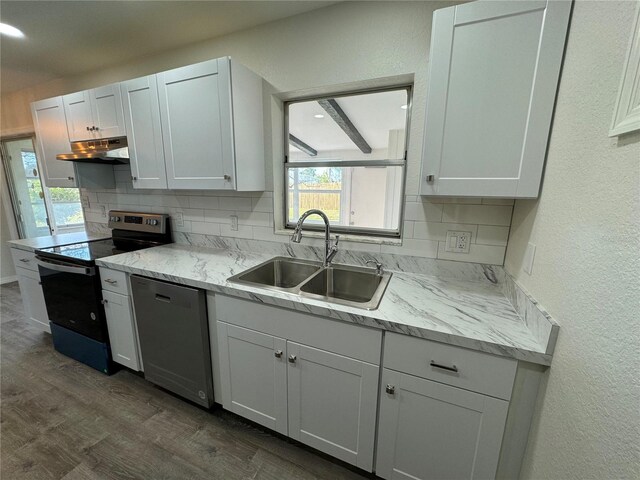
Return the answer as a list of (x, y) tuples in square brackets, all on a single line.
[(26, 188)]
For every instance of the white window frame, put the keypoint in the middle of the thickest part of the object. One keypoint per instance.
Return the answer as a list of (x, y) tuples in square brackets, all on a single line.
[(346, 179)]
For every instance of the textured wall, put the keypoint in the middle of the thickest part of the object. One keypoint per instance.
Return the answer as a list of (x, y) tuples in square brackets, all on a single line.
[(585, 226)]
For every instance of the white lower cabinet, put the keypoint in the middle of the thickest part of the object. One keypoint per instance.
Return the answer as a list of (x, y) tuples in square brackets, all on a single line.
[(35, 308), (33, 299), (332, 403), (307, 377), (122, 332), (253, 372), (429, 430)]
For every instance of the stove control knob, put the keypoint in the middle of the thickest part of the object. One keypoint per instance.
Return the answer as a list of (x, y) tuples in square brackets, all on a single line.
[(153, 222), (115, 219)]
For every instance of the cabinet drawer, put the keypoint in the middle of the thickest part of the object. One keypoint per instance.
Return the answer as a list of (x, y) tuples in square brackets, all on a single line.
[(476, 371), (24, 259), (114, 281)]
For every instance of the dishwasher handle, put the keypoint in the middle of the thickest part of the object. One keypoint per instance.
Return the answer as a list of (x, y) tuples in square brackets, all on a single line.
[(163, 298)]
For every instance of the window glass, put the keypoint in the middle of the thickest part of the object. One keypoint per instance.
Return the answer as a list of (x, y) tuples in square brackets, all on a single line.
[(346, 157)]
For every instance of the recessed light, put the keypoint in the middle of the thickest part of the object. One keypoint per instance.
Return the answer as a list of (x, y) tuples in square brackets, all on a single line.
[(404, 107), (319, 115), (10, 31)]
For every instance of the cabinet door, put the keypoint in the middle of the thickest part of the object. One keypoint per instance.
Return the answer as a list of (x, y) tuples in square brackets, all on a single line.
[(106, 109), (195, 111), (493, 75), (253, 373), (122, 336), (33, 299), (51, 139), (332, 403), (144, 133), (77, 108), (428, 430)]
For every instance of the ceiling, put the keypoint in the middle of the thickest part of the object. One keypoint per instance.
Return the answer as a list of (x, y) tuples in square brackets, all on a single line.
[(67, 38)]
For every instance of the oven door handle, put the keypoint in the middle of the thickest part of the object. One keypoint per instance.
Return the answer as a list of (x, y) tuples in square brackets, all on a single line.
[(58, 267)]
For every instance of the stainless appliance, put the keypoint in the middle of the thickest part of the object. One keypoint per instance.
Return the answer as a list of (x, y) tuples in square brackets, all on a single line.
[(174, 337), (107, 151), (71, 284)]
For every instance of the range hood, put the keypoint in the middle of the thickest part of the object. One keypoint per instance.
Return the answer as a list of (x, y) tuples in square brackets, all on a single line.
[(108, 151)]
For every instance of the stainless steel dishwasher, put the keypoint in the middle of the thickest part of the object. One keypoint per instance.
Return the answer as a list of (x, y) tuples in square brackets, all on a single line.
[(174, 337)]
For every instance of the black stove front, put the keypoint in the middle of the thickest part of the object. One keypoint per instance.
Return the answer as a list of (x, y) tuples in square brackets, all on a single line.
[(71, 280)]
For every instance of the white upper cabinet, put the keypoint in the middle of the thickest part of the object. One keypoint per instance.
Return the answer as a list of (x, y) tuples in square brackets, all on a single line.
[(212, 126), (144, 133), (52, 139), (493, 76), (95, 113)]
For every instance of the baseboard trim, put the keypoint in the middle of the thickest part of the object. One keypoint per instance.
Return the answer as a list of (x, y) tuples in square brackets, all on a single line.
[(4, 280)]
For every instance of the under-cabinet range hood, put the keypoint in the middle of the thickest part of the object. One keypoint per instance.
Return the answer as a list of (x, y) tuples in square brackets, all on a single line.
[(107, 151)]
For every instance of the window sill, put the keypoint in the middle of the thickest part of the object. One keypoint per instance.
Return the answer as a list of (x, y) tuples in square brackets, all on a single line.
[(345, 237)]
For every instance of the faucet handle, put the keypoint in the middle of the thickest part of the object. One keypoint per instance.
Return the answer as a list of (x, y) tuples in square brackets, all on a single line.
[(379, 266), (337, 240)]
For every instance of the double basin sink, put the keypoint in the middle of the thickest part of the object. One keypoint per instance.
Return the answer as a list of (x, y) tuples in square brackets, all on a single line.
[(358, 287)]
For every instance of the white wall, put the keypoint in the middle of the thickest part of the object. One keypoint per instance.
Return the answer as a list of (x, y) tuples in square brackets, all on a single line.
[(348, 43), (8, 231), (586, 271)]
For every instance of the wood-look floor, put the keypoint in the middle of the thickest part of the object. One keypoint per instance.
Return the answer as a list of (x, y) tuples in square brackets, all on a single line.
[(62, 420)]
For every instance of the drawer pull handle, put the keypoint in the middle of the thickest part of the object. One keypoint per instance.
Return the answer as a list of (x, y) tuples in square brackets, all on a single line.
[(390, 389), (110, 281), (25, 260), (452, 368), (292, 359), (278, 353)]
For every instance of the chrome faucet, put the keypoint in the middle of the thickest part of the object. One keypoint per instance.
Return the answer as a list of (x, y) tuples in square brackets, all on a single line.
[(329, 249)]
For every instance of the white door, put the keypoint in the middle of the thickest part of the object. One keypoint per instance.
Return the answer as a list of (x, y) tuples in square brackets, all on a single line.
[(106, 108), (33, 299), (493, 75), (428, 430), (122, 333), (332, 403), (253, 373), (80, 124), (52, 139), (195, 111), (144, 133)]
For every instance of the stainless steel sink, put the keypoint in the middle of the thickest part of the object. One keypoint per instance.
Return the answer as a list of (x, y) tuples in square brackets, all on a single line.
[(279, 273), (344, 284), (347, 285)]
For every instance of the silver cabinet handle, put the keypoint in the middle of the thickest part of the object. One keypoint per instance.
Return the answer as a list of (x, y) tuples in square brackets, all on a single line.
[(69, 178), (134, 178), (292, 358), (452, 368), (390, 389), (110, 281), (430, 178), (227, 177), (103, 301), (88, 129), (25, 260), (278, 353)]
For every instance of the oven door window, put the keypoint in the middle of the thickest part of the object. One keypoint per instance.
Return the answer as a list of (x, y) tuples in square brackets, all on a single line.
[(74, 301)]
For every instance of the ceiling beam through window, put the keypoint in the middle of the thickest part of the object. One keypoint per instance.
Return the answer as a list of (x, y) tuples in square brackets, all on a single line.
[(300, 145), (343, 121)]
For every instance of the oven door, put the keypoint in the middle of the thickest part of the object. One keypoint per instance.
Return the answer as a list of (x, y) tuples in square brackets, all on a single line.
[(73, 296)]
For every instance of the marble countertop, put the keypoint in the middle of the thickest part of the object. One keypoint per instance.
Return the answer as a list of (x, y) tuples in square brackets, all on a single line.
[(31, 244), (474, 315)]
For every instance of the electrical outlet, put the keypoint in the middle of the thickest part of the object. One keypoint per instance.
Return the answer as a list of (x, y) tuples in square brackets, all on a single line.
[(178, 219), (458, 242), (84, 200), (529, 255), (103, 211), (234, 222)]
